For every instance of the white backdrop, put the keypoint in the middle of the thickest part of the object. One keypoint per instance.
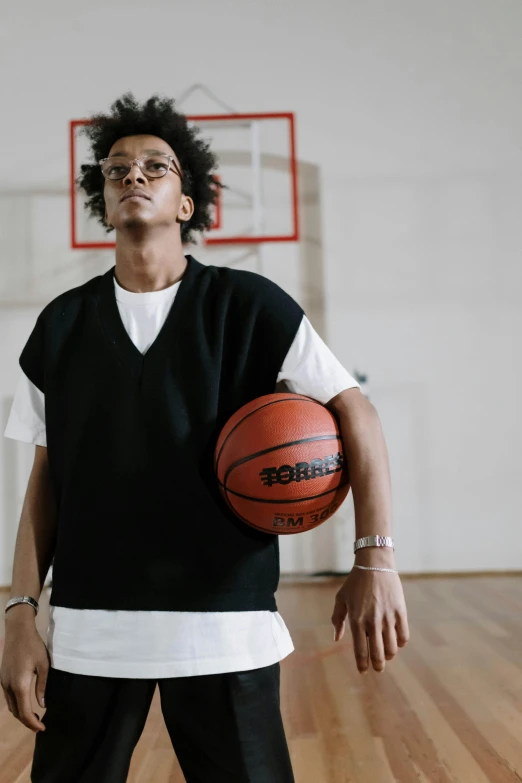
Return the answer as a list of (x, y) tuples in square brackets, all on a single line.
[(411, 113)]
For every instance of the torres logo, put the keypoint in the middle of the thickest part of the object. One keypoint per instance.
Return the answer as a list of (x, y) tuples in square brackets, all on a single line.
[(302, 471)]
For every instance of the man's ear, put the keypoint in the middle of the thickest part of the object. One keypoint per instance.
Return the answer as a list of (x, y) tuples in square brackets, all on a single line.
[(186, 208)]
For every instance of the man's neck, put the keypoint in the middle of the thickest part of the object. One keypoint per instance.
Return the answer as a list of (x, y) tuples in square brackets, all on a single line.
[(149, 265)]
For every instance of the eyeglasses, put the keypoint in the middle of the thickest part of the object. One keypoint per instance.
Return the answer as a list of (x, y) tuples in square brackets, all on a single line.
[(152, 166)]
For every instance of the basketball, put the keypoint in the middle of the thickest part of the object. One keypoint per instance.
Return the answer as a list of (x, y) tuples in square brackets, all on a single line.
[(280, 464)]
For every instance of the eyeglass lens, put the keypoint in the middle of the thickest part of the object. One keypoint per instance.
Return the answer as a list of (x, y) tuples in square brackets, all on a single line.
[(151, 165)]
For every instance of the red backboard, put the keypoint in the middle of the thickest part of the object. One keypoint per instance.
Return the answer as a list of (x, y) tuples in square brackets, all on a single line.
[(281, 158)]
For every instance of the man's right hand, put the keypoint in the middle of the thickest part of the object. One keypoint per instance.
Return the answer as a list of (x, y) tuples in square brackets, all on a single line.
[(25, 654)]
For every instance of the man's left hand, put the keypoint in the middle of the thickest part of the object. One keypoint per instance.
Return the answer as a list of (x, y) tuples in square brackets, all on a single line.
[(373, 602)]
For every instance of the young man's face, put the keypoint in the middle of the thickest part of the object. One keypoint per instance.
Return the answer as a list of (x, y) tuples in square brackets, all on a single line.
[(162, 203)]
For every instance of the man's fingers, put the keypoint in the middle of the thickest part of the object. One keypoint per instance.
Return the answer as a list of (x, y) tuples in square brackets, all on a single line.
[(389, 635), (360, 645), (42, 672), (25, 710), (11, 702), (338, 618), (402, 632), (339, 631), (374, 631)]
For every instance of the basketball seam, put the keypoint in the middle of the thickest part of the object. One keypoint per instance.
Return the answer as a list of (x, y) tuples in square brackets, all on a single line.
[(291, 500), (275, 448), (265, 405)]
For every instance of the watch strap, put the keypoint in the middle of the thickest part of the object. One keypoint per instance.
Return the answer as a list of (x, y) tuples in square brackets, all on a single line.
[(373, 541)]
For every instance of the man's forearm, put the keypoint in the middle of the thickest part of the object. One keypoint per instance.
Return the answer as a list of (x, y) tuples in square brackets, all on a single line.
[(369, 472), (35, 541)]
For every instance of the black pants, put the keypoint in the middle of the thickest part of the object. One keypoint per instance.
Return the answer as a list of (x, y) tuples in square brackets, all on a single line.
[(224, 728)]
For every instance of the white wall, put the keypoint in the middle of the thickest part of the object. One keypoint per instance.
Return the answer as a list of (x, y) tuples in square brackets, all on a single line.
[(16, 458), (411, 110)]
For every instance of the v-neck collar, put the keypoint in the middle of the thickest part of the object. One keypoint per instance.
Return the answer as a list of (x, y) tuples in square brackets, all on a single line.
[(116, 333)]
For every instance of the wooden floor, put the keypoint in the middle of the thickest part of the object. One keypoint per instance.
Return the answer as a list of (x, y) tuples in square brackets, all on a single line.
[(447, 709)]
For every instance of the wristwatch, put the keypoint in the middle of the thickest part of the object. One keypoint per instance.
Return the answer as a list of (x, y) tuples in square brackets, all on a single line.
[(22, 599), (373, 541)]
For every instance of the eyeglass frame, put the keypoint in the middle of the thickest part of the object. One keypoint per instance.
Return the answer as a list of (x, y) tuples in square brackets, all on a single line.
[(131, 163)]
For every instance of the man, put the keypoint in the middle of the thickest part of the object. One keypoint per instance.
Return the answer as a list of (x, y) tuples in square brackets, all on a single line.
[(127, 381)]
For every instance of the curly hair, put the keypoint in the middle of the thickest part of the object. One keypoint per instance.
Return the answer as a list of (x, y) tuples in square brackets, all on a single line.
[(156, 117)]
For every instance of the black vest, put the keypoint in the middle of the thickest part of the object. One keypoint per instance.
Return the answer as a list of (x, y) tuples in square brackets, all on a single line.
[(130, 439)]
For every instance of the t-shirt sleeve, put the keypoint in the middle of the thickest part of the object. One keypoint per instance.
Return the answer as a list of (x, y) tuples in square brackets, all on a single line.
[(26, 420), (310, 367), (32, 357)]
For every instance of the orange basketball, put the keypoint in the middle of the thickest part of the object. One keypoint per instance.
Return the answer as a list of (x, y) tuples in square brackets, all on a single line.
[(280, 464)]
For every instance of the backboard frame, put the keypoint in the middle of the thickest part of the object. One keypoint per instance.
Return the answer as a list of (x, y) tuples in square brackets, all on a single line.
[(292, 236)]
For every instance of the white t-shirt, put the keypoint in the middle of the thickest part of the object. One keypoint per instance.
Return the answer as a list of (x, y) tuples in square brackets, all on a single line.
[(114, 643)]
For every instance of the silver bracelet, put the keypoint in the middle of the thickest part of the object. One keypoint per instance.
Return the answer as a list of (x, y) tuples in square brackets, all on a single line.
[(374, 568), (22, 599), (360, 543)]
